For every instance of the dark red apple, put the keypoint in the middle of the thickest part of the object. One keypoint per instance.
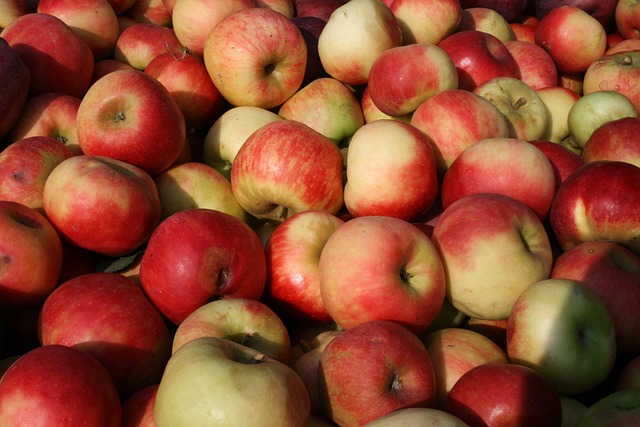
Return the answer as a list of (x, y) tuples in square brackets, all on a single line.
[(16, 80)]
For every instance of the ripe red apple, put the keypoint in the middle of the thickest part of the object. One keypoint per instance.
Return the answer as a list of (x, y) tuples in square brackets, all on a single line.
[(381, 267), (49, 114), (293, 253), (14, 92), (187, 80), (614, 140), (373, 369), (217, 254), (627, 19), (129, 116), (618, 72), (573, 38), (501, 394), (256, 57), (25, 166), (57, 58), (140, 42), (31, 256), (108, 316), (103, 67), (65, 387), (601, 10), (509, 9), (311, 27), (563, 161), (508, 166), (273, 176), (599, 201), (613, 272), (478, 57), (137, 409), (537, 67), (150, 11), (101, 204)]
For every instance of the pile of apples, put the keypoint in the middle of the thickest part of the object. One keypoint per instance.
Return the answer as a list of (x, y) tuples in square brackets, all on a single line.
[(319, 213)]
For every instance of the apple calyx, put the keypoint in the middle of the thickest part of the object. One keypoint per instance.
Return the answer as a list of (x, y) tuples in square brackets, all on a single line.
[(396, 383), (521, 102)]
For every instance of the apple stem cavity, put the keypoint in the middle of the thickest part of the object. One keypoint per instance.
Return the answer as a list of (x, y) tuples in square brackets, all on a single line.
[(396, 383)]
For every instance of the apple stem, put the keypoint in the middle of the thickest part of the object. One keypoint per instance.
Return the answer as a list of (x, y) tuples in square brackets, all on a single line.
[(519, 103), (259, 357), (627, 60), (396, 384), (183, 52)]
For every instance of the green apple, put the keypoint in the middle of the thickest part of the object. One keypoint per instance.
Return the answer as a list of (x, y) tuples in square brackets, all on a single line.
[(564, 331), (619, 409), (215, 381)]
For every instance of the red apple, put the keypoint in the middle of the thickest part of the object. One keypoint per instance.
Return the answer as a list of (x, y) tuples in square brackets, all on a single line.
[(293, 253), (273, 176), (65, 387), (614, 140), (508, 166), (627, 19), (487, 20), (563, 161), (629, 376), (14, 93), (105, 66), (373, 369), (151, 12), (573, 38), (381, 267), (537, 67), (601, 10), (25, 166), (129, 116), (31, 256), (217, 254), (618, 72), (57, 58), (321, 9), (501, 394), (599, 201), (140, 42), (94, 21), (262, 66), (49, 114), (102, 204), (623, 45), (613, 272), (311, 27), (12, 10), (137, 409), (108, 316), (509, 9), (478, 57)]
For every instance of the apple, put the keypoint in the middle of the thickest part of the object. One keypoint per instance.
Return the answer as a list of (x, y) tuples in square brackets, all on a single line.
[(373, 369), (273, 176), (563, 161), (504, 394), (403, 77), (488, 264), (558, 100), (217, 255), (454, 120), (381, 267), (355, 34), (193, 20), (244, 320), (150, 11), (572, 410), (108, 316), (614, 140), (57, 58), (616, 72), (31, 256), (137, 409), (103, 67), (49, 114), (508, 166), (510, 10), (372, 113), (196, 185), (426, 22), (140, 42), (121, 6), (65, 387), (207, 381), (478, 57), (321, 9), (526, 113), (573, 38), (94, 21), (293, 278), (326, 105), (495, 330), (417, 417), (454, 351), (486, 20), (564, 331), (629, 375), (620, 409), (537, 68), (523, 32), (377, 151), (593, 110), (602, 10), (598, 202), (311, 27), (129, 116), (15, 88), (572, 81), (627, 19), (25, 166), (613, 272), (285, 7), (262, 67), (229, 132), (101, 204), (624, 45), (187, 80), (12, 10)]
